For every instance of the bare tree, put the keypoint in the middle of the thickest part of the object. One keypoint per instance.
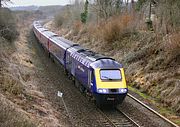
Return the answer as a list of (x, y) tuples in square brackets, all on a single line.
[(107, 8), (4, 1), (169, 13)]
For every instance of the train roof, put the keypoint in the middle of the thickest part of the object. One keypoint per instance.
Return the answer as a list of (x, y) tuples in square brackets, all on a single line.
[(106, 64), (49, 34), (87, 57), (75, 48), (37, 24), (42, 29), (88, 54), (66, 41), (61, 43)]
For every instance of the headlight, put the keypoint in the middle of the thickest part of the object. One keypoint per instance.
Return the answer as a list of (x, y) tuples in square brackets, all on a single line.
[(102, 91), (123, 90)]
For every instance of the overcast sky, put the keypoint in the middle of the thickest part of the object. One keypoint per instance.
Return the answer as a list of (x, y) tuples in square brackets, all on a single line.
[(38, 2)]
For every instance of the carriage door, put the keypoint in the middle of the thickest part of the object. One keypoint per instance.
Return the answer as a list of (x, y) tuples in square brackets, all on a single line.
[(90, 78), (68, 61)]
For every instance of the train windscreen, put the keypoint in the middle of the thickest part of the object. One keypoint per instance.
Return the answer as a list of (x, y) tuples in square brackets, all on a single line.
[(110, 74)]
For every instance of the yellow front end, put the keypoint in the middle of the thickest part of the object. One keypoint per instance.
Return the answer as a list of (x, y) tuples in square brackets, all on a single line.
[(111, 86), (100, 84)]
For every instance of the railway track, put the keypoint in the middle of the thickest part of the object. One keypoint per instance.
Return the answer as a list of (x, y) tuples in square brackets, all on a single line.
[(152, 110), (116, 118)]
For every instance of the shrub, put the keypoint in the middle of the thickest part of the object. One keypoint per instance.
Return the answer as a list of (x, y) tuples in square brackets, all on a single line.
[(59, 20), (172, 46), (113, 31), (117, 28), (77, 26), (7, 25)]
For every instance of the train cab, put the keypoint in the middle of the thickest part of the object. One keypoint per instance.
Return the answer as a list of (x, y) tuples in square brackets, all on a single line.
[(108, 81)]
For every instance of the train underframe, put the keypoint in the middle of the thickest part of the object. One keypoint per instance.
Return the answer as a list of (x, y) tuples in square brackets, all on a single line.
[(109, 99)]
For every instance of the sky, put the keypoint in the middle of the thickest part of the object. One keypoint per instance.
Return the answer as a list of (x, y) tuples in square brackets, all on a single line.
[(38, 2)]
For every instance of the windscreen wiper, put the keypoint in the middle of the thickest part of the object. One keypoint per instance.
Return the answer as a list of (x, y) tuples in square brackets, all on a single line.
[(107, 78)]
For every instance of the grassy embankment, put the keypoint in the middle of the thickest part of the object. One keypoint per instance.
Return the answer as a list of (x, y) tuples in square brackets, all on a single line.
[(10, 86)]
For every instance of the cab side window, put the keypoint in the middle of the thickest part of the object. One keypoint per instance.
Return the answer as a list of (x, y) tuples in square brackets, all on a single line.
[(92, 76)]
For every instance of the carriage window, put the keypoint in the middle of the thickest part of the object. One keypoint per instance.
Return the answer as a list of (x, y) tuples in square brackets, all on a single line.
[(110, 74)]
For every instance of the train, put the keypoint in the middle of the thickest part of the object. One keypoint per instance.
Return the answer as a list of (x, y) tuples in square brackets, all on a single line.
[(100, 77)]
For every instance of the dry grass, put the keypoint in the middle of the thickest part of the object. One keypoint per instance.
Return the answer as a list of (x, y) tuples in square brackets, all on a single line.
[(172, 45), (59, 20), (112, 32), (11, 118), (11, 85), (77, 26), (7, 25), (117, 28)]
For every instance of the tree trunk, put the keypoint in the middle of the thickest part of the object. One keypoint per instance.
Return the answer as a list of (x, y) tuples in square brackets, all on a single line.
[(0, 4), (150, 7)]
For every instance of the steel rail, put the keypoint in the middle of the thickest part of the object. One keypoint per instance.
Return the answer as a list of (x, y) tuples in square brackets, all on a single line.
[(152, 110), (114, 125), (128, 117)]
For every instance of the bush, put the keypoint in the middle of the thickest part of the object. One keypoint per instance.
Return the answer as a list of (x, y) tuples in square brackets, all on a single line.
[(7, 25), (59, 20), (77, 26), (172, 47), (117, 28)]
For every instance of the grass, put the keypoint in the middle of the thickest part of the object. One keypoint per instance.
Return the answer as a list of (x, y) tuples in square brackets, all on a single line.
[(164, 111), (10, 118), (143, 95), (11, 85)]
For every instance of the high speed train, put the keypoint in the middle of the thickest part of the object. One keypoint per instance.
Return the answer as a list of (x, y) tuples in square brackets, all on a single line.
[(99, 76)]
